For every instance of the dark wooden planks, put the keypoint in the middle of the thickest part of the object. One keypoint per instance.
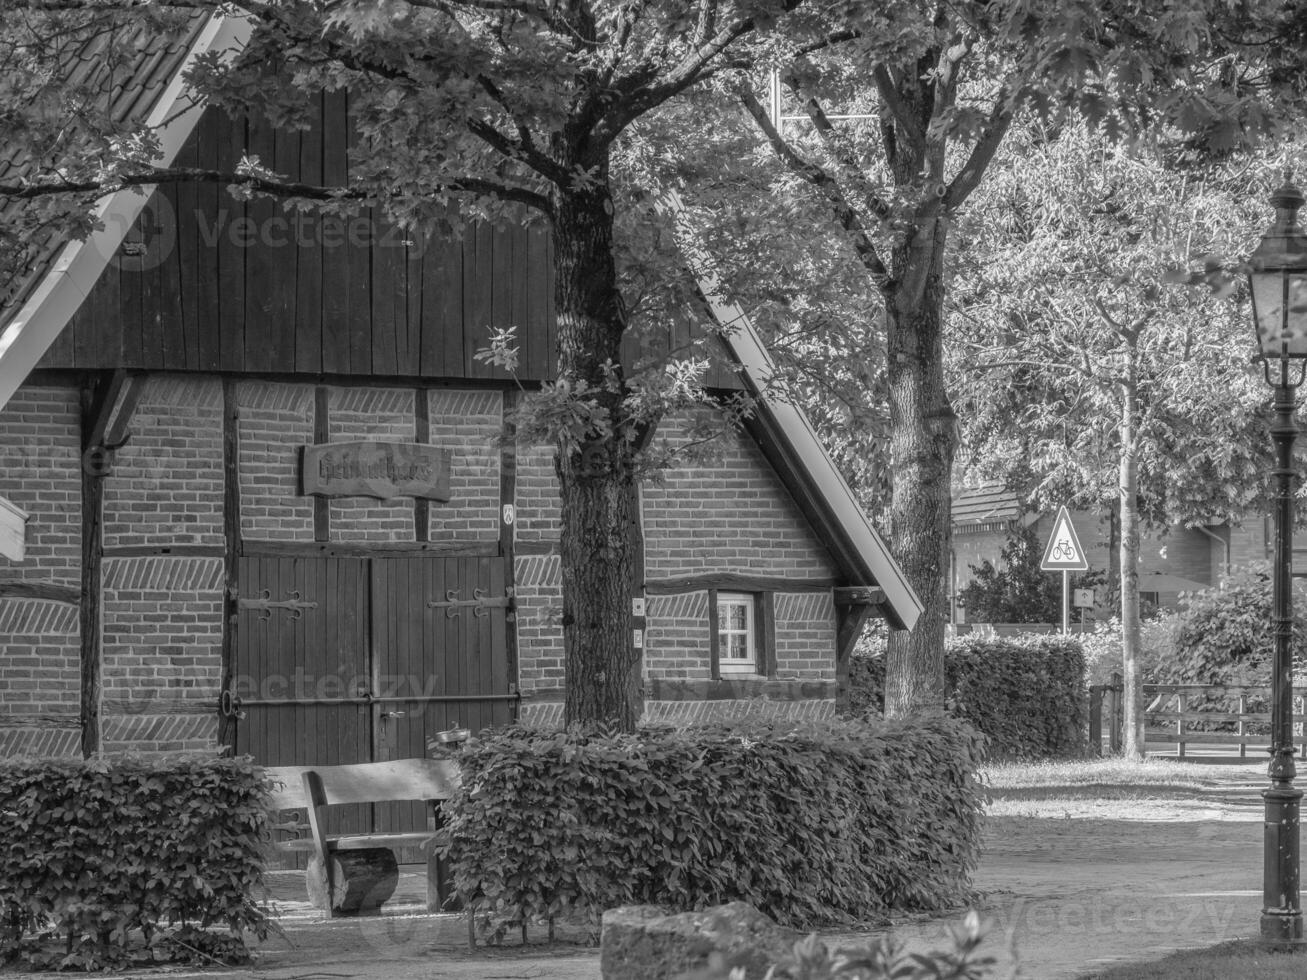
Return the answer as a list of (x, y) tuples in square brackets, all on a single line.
[(247, 287), (211, 203), (309, 253), (389, 310), (360, 264), (264, 287), (335, 258), (231, 256), (478, 298), (442, 308), (182, 341), (280, 251)]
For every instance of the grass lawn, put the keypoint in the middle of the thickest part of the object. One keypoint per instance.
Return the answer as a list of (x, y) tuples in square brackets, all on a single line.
[(1228, 961), (1014, 786), (1152, 775)]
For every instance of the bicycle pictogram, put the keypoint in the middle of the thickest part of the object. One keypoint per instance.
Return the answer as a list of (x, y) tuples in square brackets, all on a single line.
[(1064, 551)]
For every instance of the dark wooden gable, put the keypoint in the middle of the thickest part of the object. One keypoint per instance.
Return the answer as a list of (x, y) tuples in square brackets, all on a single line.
[(209, 283)]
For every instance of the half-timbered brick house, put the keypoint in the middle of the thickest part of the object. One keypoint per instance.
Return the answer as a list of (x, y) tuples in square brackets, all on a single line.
[(255, 494)]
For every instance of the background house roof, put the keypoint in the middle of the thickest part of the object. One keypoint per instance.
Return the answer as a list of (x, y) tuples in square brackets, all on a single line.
[(988, 503)]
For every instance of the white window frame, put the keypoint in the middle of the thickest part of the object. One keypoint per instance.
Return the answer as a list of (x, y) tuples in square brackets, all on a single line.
[(747, 664)]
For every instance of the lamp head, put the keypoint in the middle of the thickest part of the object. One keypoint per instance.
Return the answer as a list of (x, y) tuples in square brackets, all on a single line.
[(1278, 280)]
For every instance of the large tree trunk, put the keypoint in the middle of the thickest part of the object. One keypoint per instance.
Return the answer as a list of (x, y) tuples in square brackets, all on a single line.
[(923, 442), (1128, 485), (599, 532)]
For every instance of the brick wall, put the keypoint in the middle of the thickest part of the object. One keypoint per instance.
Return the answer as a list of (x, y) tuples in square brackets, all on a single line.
[(40, 472), (166, 484), (704, 712), (384, 415), (549, 714), (1250, 541), (539, 624), (275, 421), (805, 635), (40, 678), (162, 649), (468, 423), (733, 515), (677, 636), (162, 614), (40, 674), (537, 498)]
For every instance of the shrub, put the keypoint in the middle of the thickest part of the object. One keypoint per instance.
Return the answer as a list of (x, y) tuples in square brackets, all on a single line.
[(828, 822), (1156, 648), (1225, 634), (1025, 694), (104, 864)]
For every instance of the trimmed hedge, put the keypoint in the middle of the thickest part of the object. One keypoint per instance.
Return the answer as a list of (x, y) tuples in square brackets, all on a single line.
[(821, 823), (109, 863), (1026, 693)]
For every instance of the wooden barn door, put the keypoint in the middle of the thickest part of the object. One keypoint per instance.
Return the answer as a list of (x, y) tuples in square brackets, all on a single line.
[(301, 656), (439, 654), (363, 659)]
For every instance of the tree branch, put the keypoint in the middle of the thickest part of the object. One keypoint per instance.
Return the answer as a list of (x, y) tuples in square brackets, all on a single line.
[(707, 21), (889, 95), (513, 149), (641, 97), (824, 184), (982, 153), (524, 148), (871, 199), (829, 41), (264, 185), (541, 10)]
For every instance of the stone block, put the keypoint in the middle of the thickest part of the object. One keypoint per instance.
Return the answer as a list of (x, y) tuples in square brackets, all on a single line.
[(643, 942)]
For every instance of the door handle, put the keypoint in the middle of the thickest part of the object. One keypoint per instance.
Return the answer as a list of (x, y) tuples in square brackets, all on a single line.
[(392, 714)]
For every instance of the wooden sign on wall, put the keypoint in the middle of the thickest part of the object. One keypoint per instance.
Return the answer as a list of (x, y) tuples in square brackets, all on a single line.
[(376, 469)]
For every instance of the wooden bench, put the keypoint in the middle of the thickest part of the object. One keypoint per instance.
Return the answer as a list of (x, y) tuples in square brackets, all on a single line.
[(350, 874)]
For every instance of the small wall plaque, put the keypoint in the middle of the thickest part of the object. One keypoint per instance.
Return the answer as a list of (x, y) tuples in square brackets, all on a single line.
[(384, 470)]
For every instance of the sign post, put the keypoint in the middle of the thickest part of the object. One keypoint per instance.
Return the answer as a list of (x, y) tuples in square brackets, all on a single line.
[(1064, 554)]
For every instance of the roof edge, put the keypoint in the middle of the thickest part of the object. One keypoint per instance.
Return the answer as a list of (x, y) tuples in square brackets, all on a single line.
[(65, 286), (827, 482)]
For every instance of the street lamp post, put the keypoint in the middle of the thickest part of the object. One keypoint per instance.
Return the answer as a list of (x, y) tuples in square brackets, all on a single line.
[(1278, 282)]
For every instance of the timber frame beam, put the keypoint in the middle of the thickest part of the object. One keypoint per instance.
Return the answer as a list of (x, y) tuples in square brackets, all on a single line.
[(854, 606), (107, 406)]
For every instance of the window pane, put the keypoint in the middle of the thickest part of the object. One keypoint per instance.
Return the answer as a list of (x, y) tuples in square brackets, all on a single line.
[(735, 624)]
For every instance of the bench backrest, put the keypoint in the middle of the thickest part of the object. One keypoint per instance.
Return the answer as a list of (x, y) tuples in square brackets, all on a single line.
[(366, 782)]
